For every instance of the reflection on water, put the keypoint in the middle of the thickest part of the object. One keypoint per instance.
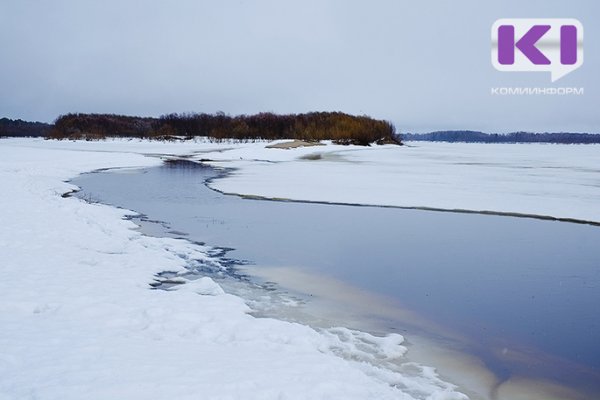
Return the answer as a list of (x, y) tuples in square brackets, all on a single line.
[(524, 293)]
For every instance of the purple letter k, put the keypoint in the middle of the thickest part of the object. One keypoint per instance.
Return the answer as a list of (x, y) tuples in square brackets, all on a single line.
[(506, 44)]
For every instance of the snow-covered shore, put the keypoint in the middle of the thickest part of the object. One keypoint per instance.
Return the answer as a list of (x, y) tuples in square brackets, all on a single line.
[(78, 319), (557, 181)]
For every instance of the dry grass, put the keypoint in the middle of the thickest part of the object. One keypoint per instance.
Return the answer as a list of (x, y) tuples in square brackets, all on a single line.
[(293, 144)]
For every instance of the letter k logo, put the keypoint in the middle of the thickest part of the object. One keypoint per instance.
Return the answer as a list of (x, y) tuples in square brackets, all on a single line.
[(506, 43)]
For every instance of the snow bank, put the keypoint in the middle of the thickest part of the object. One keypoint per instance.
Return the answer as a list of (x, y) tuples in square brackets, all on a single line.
[(561, 181), (78, 318)]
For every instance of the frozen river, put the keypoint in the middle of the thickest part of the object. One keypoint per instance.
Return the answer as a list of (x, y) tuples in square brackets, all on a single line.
[(520, 294)]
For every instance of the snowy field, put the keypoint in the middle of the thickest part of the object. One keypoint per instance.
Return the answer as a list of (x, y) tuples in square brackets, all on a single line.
[(77, 318)]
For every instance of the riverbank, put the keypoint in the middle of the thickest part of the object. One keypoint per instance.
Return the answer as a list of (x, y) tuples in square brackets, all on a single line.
[(79, 318)]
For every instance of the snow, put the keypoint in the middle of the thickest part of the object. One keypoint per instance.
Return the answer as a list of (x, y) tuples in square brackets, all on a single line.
[(561, 181), (78, 318), (204, 286)]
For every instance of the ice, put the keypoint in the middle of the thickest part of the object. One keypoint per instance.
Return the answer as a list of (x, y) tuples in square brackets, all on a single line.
[(558, 181), (366, 346), (204, 286)]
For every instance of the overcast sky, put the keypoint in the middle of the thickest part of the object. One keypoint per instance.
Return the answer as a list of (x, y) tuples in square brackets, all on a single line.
[(424, 65)]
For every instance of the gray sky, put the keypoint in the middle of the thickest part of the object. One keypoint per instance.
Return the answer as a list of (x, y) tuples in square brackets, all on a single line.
[(424, 65)]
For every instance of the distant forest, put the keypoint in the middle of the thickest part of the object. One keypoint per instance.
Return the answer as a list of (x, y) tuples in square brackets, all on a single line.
[(20, 128), (336, 126), (515, 137)]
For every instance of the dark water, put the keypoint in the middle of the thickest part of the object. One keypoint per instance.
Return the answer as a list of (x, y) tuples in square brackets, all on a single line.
[(502, 282)]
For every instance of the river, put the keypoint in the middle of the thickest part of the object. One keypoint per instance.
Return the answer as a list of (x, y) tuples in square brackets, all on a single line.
[(519, 294)]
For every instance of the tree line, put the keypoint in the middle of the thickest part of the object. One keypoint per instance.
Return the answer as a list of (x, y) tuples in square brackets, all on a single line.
[(336, 126), (20, 128), (514, 137)]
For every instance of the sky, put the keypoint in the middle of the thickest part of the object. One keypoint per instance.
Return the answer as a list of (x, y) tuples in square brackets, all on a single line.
[(424, 65)]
